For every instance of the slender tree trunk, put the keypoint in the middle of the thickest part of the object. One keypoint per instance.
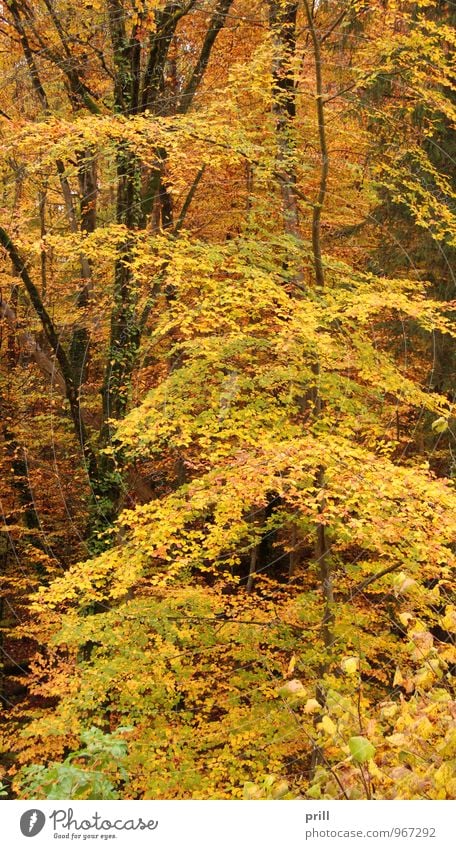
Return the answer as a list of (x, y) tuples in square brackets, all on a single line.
[(326, 579), (321, 548), (321, 544), (282, 19), (80, 342), (294, 553), (28, 55), (42, 211), (61, 357), (252, 567), (324, 155)]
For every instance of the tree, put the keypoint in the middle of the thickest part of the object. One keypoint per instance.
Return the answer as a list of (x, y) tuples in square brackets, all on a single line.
[(131, 60), (256, 390)]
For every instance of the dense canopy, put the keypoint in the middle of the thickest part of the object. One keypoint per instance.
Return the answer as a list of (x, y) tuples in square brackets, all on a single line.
[(227, 409)]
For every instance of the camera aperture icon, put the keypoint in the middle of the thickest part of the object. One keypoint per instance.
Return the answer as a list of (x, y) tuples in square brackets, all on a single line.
[(32, 822)]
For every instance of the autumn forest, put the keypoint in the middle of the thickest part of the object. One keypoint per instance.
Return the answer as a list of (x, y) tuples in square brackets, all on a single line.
[(227, 399)]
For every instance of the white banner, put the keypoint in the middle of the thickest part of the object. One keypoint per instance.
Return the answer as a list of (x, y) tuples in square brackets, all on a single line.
[(238, 825)]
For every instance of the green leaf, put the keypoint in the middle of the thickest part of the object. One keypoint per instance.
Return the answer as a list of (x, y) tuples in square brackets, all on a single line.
[(361, 749)]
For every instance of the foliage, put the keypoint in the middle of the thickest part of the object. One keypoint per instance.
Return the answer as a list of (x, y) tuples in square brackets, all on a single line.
[(227, 485), (101, 755)]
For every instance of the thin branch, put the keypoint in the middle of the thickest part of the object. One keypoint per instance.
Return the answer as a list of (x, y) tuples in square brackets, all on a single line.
[(334, 25), (341, 92), (371, 579), (216, 23), (188, 200)]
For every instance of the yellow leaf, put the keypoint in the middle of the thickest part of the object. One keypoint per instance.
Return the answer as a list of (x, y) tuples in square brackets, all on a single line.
[(397, 739), (291, 665), (440, 425), (328, 725), (398, 679), (405, 618), (449, 620), (374, 770), (424, 729), (350, 665)]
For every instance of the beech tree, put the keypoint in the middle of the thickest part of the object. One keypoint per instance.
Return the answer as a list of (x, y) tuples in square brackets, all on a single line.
[(254, 599)]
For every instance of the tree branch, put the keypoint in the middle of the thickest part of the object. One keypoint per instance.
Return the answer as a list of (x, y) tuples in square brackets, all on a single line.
[(188, 200), (370, 580), (59, 353), (216, 23)]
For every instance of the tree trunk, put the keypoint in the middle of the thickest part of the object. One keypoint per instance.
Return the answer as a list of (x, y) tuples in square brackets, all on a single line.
[(282, 19)]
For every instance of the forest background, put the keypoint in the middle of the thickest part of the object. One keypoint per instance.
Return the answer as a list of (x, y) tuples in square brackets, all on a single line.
[(227, 399)]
